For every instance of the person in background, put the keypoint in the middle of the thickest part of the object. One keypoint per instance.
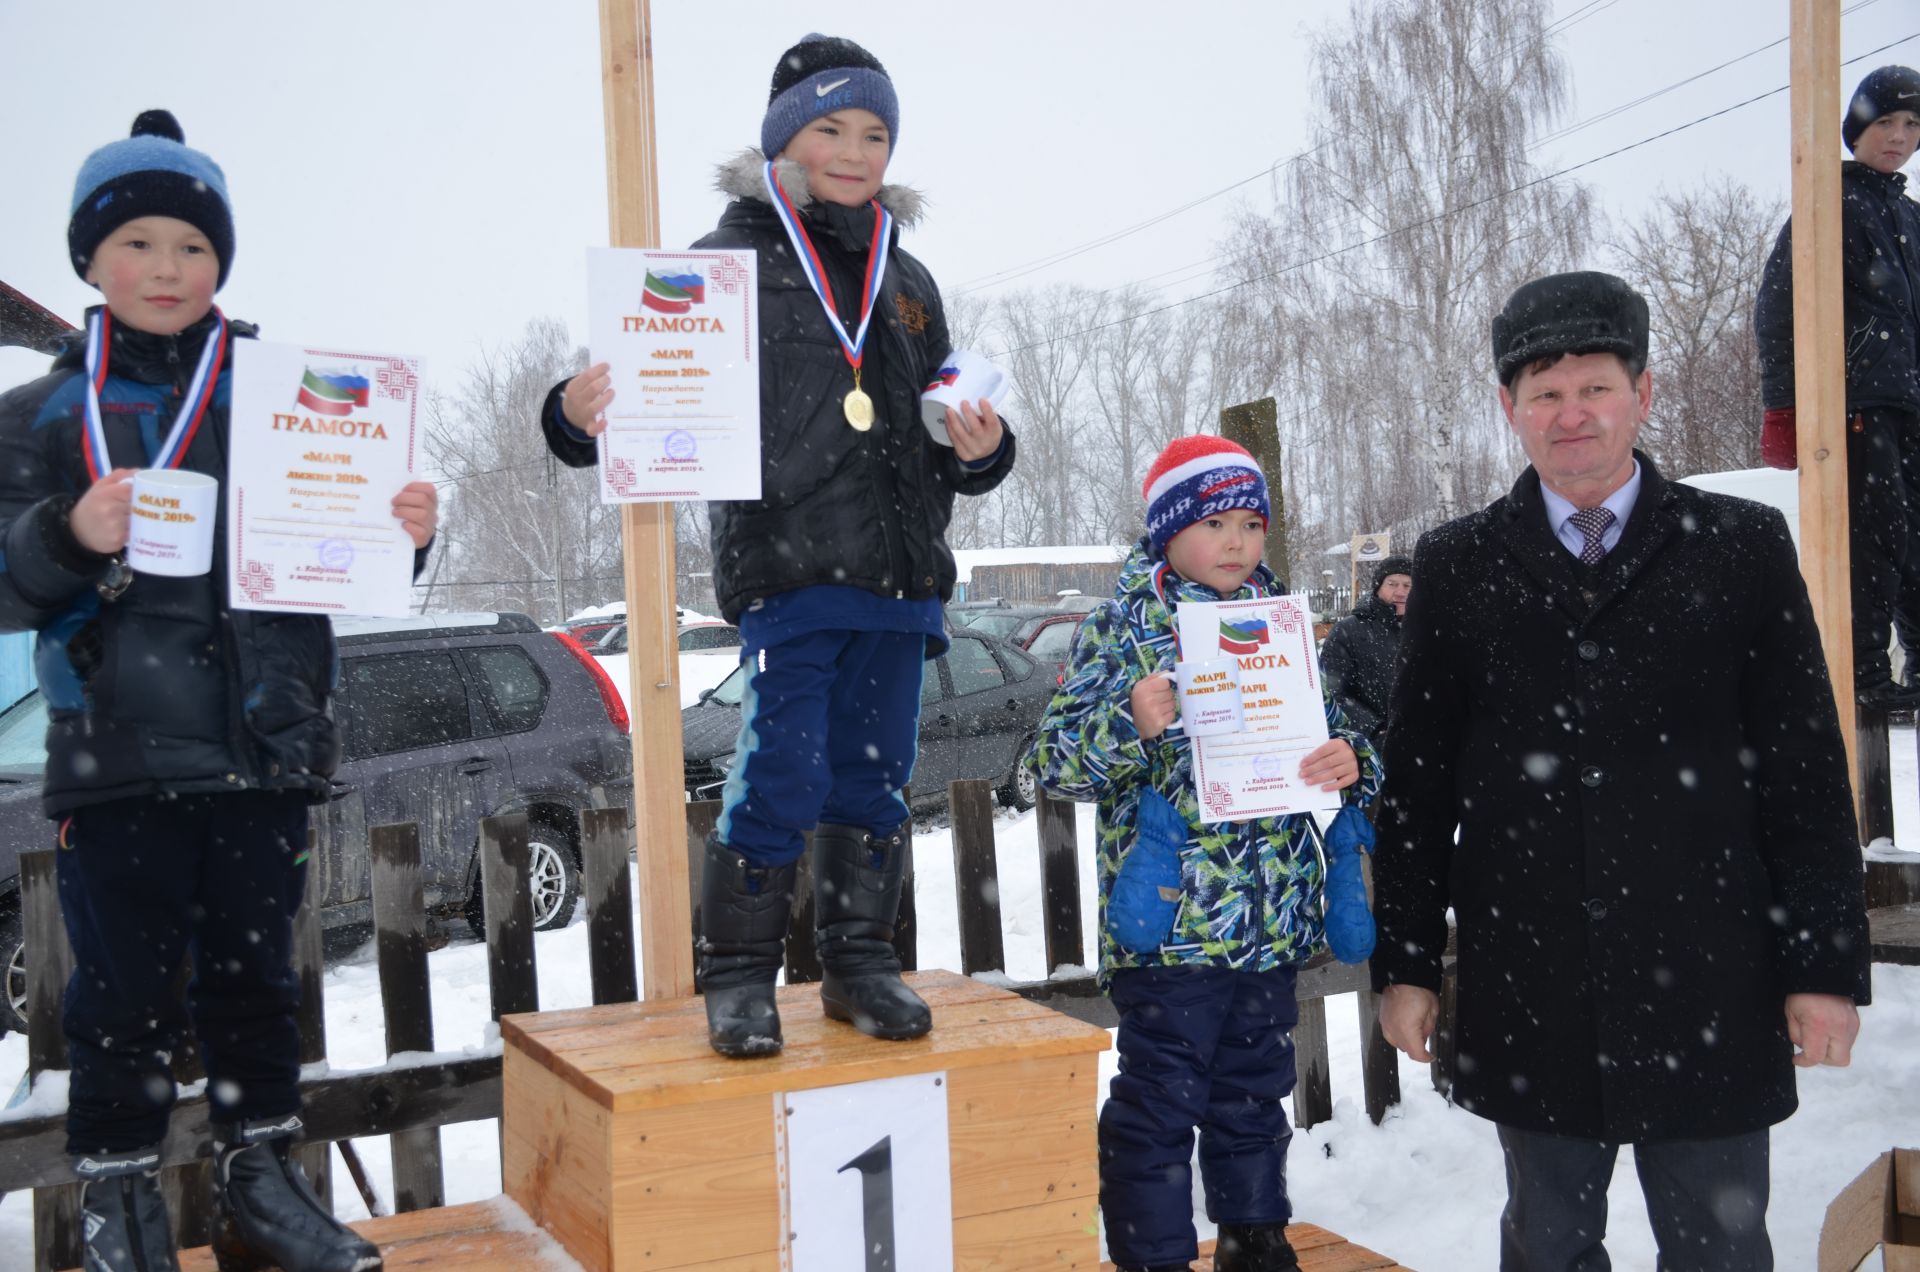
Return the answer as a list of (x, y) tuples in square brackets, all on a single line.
[(1357, 658), (1880, 286)]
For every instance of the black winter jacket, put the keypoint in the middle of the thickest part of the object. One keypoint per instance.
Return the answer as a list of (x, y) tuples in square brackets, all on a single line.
[(1880, 249), (165, 689), (868, 510), (1357, 661), (1656, 841)]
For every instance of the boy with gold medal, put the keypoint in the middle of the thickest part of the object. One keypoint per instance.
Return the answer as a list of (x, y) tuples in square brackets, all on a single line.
[(837, 575)]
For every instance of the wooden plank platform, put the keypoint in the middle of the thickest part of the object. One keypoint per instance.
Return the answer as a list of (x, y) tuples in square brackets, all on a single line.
[(1319, 1251), (630, 1056), (481, 1236), (494, 1236), (1896, 934)]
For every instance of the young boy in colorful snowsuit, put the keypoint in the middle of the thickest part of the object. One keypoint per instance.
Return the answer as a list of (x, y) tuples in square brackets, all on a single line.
[(837, 574), (185, 738), (1205, 1019)]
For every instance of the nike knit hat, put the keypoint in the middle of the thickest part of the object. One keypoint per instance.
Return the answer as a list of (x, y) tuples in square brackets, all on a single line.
[(819, 75), (150, 173), (1884, 91), (1199, 477)]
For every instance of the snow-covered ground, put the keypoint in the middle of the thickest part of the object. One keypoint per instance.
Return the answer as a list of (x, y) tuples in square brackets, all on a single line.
[(1425, 1187)]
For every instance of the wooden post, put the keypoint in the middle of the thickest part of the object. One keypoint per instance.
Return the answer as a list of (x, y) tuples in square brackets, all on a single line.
[(56, 1211), (406, 997), (603, 839), (1820, 387), (509, 906), (1379, 1062), (1059, 881), (1313, 1082), (633, 204), (976, 876), (1256, 426), (309, 964)]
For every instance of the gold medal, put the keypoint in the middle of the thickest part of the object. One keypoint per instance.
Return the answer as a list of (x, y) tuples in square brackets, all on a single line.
[(859, 409)]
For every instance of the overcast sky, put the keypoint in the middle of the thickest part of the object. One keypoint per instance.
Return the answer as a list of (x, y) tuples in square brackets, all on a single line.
[(423, 178)]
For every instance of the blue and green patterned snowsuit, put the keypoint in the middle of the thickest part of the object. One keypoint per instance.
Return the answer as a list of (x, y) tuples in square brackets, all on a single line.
[(1205, 1021)]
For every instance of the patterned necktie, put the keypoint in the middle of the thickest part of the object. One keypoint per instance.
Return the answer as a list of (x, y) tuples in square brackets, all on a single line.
[(1592, 524)]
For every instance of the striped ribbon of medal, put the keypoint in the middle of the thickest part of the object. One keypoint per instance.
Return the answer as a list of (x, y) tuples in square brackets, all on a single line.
[(853, 346), (193, 406)]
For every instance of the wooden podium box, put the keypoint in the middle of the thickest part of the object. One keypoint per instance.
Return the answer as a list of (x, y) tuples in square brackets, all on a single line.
[(636, 1147)]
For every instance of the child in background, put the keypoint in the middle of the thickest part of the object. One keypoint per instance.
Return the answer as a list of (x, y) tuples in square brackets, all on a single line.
[(1205, 1018), (837, 574), (185, 739)]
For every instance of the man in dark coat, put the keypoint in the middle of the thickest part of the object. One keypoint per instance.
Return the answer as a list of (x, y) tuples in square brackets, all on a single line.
[(1611, 686), (1357, 657), (1880, 284)]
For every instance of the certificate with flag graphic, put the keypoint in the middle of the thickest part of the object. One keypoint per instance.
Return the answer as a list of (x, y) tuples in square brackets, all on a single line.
[(321, 441), (681, 332), (1256, 772)]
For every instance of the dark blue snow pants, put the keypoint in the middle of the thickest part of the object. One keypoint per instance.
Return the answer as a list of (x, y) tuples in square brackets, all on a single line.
[(142, 882), (1199, 1046), (829, 726)]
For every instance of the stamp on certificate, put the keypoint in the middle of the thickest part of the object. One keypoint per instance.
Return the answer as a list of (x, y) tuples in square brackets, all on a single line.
[(681, 445), (336, 554), (1269, 767)]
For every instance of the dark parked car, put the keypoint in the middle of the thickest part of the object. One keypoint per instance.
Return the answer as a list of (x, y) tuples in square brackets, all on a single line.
[(445, 720), (1043, 631), (979, 704)]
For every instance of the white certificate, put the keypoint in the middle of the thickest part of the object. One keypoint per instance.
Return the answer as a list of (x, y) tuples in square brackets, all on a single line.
[(1256, 772), (681, 331), (321, 443)]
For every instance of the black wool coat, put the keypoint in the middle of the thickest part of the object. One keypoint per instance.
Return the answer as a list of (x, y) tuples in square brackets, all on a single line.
[(1656, 839)]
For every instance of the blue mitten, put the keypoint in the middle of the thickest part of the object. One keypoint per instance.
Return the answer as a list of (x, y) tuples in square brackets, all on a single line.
[(1349, 924), (1146, 893)]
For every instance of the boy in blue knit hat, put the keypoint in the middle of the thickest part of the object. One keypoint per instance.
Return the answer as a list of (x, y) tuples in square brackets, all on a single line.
[(1204, 988), (185, 738), (836, 575)]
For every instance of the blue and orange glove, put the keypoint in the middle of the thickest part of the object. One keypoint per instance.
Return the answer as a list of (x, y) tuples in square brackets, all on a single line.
[(1349, 922)]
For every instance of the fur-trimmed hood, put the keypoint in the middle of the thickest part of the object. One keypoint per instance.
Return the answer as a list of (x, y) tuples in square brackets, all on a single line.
[(740, 178)]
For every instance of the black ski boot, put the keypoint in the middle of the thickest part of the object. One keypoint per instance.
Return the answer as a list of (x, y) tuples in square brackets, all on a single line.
[(123, 1214), (856, 897), (1263, 1247), (265, 1212), (743, 932)]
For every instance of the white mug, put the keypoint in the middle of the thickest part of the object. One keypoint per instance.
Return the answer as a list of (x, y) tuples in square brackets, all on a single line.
[(170, 526), (964, 377), (1210, 697)]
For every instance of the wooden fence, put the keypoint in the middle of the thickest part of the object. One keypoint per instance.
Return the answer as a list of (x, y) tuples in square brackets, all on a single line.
[(413, 1096)]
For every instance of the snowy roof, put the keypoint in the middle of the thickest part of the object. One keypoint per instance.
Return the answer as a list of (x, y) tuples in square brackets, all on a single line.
[(1770, 486), (1071, 554), (413, 622)]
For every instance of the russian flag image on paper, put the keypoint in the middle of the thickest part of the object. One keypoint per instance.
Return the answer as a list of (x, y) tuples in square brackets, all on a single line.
[(946, 376), (673, 293), (1243, 637), (332, 393)]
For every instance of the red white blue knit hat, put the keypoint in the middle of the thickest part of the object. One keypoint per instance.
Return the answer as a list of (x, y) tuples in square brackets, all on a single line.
[(1196, 478)]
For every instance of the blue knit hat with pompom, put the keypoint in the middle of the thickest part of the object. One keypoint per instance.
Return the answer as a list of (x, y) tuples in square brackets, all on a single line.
[(151, 173)]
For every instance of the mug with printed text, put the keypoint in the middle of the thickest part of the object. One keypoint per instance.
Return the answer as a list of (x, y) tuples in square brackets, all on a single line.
[(170, 526)]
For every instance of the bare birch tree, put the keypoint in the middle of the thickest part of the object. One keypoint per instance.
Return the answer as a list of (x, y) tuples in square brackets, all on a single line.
[(1419, 210), (1697, 258)]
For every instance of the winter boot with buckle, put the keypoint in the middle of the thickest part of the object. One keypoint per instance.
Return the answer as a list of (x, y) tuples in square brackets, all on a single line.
[(856, 898), (265, 1211), (743, 930), (123, 1214), (1261, 1247)]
